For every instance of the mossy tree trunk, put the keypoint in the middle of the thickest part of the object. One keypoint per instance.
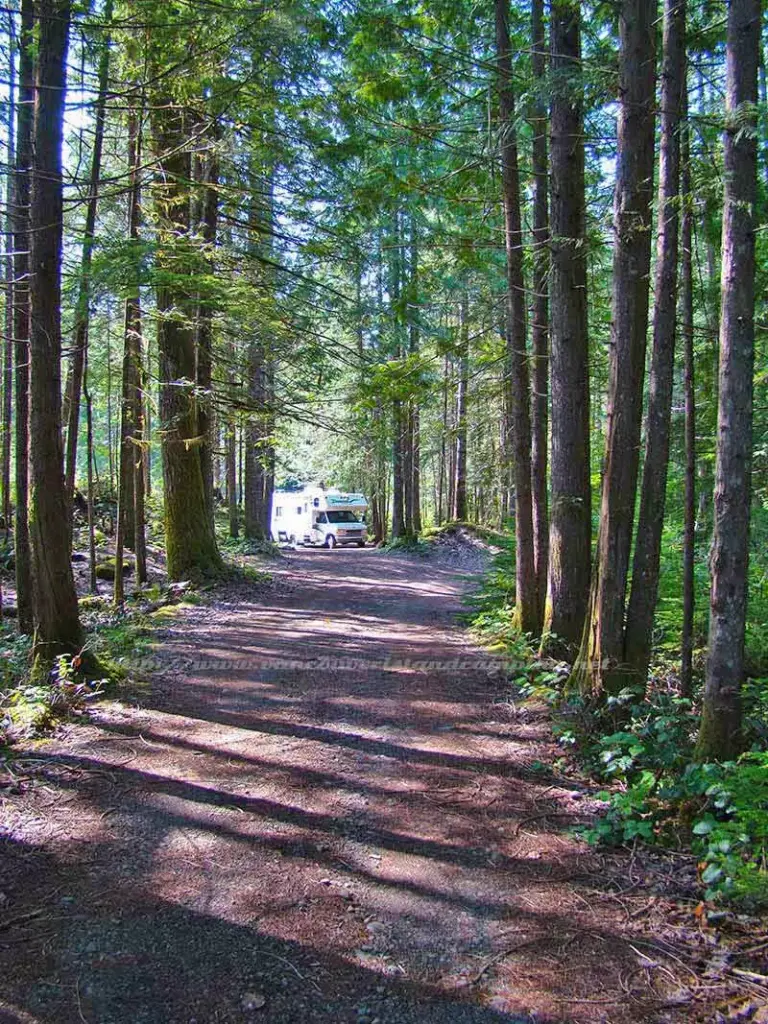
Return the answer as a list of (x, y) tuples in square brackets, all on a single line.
[(720, 732), (21, 323), (459, 510), (687, 332), (130, 459), (540, 309), (527, 601), (258, 470), (210, 216), (601, 668), (57, 622), (256, 445), (647, 557), (414, 428), (191, 548), (7, 368), (571, 497)]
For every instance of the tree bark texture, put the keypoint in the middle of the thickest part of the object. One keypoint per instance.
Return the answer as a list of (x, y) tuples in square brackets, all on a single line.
[(645, 567), (10, 203), (21, 324), (540, 324), (689, 391), (210, 216), (231, 474), (130, 444), (459, 510), (571, 500), (57, 623), (601, 664), (190, 541), (527, 603), (720, 733)]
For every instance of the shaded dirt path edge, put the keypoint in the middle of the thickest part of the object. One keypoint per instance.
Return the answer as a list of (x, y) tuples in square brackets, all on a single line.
[(321, 808)]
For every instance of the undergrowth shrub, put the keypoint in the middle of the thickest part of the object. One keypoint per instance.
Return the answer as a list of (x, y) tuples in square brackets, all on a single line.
[(30, 706), (641, 745), (27, 708), (247, 546), (408, 545)]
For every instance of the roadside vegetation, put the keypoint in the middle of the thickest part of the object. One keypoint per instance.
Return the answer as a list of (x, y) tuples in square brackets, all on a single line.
[(115, 636), (641, 746)]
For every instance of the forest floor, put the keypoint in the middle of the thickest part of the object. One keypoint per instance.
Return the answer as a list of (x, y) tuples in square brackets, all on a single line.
[(322, 804)]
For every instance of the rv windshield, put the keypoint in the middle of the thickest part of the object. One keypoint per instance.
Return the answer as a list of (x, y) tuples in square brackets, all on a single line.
[(342, 516)]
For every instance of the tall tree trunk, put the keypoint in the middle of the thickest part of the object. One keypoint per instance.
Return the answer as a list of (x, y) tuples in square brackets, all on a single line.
[(416, 467), (505, 441), (231, 469), (686, 304), (601, 667), (413, 345), (241, 468), (720, 733), (147, 426), (10, 203), (398, 471), (90, 457), (571, 497), (379, 492), (190, 541), (126, 481), (110, 444), (130, 450), (707, 375), (21, 325), (540, 325), (645, 567), (141, 405), (139, 488), (269, 447), (399, 525), (527, 610), (407, 456), (210, 217), (256, 454), (451, 432), (411, 407), (83, 306), (442, 468), (55, 601), (459, 510)]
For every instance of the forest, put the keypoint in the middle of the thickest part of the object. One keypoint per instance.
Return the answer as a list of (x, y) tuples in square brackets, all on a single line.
[(500, 268)]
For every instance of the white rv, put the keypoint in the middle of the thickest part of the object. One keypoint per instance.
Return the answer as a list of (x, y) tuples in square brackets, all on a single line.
[(319, 517)]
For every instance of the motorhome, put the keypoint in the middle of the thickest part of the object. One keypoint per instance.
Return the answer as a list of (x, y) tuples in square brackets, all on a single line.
[(319, 517)]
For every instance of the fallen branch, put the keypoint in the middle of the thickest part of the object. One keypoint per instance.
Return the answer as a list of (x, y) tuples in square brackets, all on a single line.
[(760, 979), (10, 922)]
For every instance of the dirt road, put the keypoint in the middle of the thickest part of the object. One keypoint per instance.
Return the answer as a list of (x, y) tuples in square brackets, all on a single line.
[(322, 807)]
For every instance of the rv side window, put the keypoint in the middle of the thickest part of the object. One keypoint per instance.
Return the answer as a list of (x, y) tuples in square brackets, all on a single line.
[(322, 518), (298, 509), (278, 512)]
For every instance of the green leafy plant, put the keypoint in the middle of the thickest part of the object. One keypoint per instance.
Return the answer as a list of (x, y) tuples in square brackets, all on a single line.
[(730, 833), (26, 709)]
